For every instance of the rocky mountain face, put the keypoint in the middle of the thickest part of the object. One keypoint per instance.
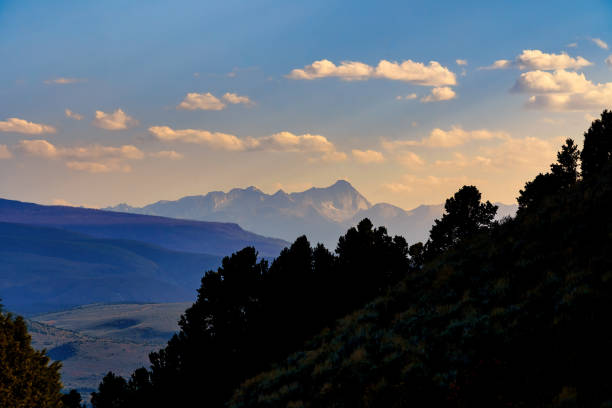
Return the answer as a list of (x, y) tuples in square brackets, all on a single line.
[(322, 214)]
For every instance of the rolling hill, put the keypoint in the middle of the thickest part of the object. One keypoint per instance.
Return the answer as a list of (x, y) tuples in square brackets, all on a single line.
[(179, 235), (46, 269)]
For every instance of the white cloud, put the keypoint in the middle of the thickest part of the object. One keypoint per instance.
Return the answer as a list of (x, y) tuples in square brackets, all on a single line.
[(600, 43), (235, 99), (167, 154), (204, 101), (64, 81), (546, 82), (118, 120), (609, 61), (278, 142), (437, 94), (564, 91), (406, 97), (17, 125), (536, 59), (572, 45), (456, 136), (461, 62), (432, 74), (73, 115), (92, 159), (5, 153), (367, 156)]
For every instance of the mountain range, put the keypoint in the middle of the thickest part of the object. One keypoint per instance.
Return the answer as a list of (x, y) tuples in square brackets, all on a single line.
[(322, 214), (55, 257)]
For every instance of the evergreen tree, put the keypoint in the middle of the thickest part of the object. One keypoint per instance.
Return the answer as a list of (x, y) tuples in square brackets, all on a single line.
[(72, 400), (26, 377), (464, 216), (597, 148), (112, 392)]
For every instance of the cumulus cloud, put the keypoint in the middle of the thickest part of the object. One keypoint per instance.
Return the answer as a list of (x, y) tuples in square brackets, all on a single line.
[(443, 93), (545, 82), (538, 60), (203, 101), (64, 81), (367, 156), (118, 120), (236, 99), (461, 62), (563, 91), (456, 136), (16, 125), (600, 43), (572, 45), (92, 159), (73, 115), (609, 61), (167, 154), (216, 140), (406, 97), (208, 101), (410, 159), (278, 142), (432, 74), (5, 153)]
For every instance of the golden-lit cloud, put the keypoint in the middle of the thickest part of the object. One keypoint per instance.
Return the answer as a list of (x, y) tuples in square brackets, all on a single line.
[(410, 159), (406, 97), (111, 166), (16, 125), (203, 101), (410, 183), (367, 156), (5, 153), (446, 138), (277, 142), (461, 62), (64, 81), (167, 154), (118, 120), (443, 93), (72, 115), (208, 101), (431, 74), (563, 91), (236, 99), (536, 59), (92, 159)]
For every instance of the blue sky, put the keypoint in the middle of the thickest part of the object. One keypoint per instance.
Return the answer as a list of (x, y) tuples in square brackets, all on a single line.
[(454, 124)]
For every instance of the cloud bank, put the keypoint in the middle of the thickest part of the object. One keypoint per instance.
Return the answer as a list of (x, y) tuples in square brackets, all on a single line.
[(431, 74), (16, 125)]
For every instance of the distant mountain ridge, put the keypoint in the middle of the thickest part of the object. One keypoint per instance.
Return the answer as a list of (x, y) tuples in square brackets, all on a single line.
[(213, 238), (322, 214)]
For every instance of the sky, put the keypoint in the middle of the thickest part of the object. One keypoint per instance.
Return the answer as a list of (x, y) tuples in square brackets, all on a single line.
[(109, 102)]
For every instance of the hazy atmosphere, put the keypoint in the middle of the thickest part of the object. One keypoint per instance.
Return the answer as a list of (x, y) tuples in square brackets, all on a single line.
[(110, 102)]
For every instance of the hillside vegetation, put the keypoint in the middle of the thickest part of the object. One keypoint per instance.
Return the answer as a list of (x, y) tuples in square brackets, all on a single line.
[(485, 313)]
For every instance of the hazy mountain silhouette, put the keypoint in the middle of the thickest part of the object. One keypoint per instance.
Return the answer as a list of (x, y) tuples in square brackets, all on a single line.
[(179, 235), (322, 214)]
